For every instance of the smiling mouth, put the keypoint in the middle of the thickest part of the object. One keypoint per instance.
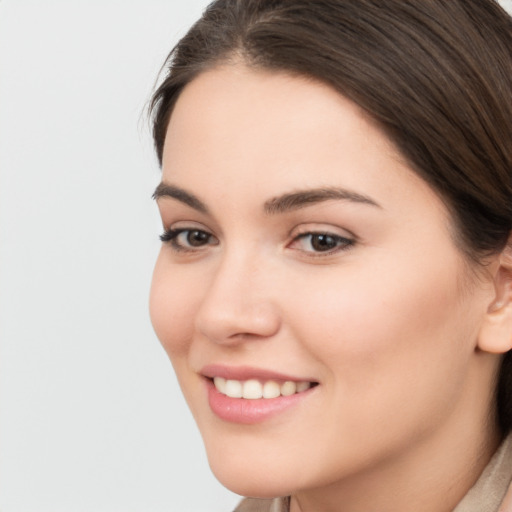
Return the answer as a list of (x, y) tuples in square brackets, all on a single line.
[(254, 389)]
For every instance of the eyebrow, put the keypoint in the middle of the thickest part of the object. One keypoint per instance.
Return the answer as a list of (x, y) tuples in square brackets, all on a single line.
[(167, 190), (304, 198), (280, 204)]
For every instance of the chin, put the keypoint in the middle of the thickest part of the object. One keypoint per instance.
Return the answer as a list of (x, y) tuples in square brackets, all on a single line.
[(251, 485), (252, 479)]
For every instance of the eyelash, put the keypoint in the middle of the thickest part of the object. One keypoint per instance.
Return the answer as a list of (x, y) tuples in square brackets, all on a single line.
[(341, 243), (170, 236)]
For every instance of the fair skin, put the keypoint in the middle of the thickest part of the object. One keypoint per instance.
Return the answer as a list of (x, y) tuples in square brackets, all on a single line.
[(506, 506), (383, 315)]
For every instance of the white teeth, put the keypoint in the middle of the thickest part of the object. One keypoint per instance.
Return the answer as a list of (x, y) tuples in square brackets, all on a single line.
[(288, 388), (253, 389), (233, 389), (302, 386), (271, 389), (220, 384)]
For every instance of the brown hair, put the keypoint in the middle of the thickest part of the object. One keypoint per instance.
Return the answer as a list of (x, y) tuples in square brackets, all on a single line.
[(436, 75)]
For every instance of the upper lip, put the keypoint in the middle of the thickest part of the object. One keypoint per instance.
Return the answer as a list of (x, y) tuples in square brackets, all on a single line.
[(244, 373)]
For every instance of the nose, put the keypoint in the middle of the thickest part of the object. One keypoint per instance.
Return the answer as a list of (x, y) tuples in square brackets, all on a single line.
[(238, 304)]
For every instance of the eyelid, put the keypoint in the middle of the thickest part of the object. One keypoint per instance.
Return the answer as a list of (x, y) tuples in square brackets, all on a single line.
[(322, 228), (183, 225), (171, 234), (347, 239)]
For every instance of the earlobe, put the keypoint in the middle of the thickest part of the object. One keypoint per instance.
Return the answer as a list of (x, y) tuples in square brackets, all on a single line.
[(496, 332)]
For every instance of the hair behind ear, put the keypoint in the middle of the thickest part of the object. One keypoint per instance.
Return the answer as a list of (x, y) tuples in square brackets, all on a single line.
[(504, 394), (504, 386), (496, 334)]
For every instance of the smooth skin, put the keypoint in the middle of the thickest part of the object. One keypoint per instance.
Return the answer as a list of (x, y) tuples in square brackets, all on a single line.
[(366, 294), (506, 506)]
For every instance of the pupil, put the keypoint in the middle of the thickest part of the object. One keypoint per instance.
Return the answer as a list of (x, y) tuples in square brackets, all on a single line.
[(323, 242), (197, 238)]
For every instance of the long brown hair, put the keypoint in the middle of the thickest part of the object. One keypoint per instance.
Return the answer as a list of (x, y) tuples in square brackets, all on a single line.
[(436, 75)]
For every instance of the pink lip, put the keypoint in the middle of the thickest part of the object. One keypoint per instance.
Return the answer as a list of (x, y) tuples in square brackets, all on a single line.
[(245, 411), (247, 372)]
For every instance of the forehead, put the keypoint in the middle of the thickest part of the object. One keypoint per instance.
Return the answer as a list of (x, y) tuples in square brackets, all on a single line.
[(249, 115), (260, 102), (240, 135)]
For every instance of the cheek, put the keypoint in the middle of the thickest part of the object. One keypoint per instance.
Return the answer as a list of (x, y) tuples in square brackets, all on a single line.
[(386, 343), (373, 326), (172, 307)]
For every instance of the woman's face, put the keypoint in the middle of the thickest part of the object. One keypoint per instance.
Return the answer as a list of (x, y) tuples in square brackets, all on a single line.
[(300, 248)]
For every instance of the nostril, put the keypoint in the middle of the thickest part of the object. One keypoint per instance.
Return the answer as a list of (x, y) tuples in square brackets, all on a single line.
[(226, 323)]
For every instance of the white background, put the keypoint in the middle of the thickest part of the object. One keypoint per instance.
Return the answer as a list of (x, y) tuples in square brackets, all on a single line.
[(91, 417)]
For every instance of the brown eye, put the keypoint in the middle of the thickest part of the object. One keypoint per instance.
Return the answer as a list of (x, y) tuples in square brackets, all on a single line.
[(315, 243), (323, 243), (188, 239), (197, 238)]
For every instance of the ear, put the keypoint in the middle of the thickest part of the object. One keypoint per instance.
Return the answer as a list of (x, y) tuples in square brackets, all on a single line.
[(496, 332)]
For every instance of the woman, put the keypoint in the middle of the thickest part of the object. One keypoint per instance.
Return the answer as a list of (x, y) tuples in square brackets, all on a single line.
[(334, 288)]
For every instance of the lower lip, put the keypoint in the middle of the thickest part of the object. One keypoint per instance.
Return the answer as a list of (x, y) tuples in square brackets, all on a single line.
[(247, 411)]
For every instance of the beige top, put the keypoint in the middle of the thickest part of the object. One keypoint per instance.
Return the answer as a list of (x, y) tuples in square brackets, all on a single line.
[(485, 496)]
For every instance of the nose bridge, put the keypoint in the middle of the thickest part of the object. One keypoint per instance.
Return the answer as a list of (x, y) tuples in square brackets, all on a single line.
[(238, 302)]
